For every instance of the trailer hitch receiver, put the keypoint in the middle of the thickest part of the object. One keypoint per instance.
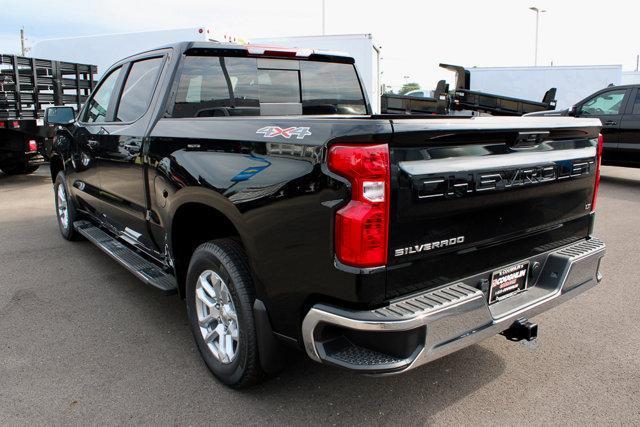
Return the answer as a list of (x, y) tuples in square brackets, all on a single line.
[(520, 330)]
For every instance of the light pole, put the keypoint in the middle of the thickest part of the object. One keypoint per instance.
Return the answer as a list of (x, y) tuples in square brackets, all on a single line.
[(538, 12), (323, 5)]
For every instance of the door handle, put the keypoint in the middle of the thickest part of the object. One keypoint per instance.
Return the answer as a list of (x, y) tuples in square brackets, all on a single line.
[(92, 143), (610, 123)]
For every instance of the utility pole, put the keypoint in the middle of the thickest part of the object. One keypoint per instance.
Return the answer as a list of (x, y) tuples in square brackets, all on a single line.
[(538, 12), (323, 5), (23, 47), (637, 61)]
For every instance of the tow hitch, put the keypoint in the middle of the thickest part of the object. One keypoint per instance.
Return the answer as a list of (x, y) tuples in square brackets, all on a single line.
[(521, 329)]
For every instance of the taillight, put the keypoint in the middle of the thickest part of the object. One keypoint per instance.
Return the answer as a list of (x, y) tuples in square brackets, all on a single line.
[(15, 124), (598, 164), (362, 226), (33, 145)]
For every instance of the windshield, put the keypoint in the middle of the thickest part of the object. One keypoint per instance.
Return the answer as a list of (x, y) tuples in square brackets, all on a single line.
[(211, 86)]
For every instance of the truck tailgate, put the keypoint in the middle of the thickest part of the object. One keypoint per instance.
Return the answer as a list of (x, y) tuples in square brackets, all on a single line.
[(469, 195)]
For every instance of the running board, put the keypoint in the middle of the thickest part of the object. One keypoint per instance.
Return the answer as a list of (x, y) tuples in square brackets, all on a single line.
[(145, 270)]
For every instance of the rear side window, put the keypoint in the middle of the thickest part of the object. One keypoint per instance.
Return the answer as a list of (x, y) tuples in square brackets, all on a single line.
[(138, 89), (211, 86), (636, 105), (96, 111)]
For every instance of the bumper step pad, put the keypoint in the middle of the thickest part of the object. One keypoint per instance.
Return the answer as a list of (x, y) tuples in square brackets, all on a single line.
[(145, 270), (419, 328)]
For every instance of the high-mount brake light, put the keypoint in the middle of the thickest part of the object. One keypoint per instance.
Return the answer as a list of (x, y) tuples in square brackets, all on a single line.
[(276, 51), (285, 53), (362, 226), (598, 164)]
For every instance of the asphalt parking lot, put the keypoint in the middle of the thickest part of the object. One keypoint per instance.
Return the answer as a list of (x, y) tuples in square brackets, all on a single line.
[(84, 342)]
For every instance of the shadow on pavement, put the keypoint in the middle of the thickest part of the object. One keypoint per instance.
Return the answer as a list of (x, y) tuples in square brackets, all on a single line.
[(41, 176), (630, 182), (348, 398)]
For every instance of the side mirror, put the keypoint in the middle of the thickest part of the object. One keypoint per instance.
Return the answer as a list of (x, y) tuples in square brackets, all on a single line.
[(59, 115), (573, 111)]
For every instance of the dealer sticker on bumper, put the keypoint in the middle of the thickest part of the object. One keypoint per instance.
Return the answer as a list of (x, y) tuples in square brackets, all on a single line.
[(508, 282)]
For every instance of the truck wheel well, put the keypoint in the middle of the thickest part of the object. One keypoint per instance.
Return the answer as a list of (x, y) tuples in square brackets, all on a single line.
[(56, 166), (194, 224)]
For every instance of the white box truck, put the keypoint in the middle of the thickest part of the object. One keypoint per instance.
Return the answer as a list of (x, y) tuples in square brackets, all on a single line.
[(106, 49), (360, 46)]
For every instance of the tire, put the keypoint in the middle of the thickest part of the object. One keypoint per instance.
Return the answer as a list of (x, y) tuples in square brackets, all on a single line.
[(66, 213), (216, 266)]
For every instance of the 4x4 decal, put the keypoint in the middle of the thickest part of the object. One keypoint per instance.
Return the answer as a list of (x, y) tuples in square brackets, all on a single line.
[(273, 131)]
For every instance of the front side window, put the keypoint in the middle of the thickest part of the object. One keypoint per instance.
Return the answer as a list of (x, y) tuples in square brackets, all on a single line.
[(138, 89), (211, 86), (96, 111), (605, 104)]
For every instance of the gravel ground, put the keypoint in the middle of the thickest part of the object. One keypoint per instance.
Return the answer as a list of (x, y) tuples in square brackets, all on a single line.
[(84, 342)]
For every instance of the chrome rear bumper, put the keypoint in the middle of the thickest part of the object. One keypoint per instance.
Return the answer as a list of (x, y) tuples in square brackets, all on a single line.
[(441, 321)]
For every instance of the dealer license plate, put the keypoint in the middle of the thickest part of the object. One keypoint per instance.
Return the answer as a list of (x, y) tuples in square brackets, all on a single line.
[(508, 281)]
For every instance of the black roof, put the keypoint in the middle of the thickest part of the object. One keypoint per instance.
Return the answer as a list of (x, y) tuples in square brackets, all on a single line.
[(244, 50)]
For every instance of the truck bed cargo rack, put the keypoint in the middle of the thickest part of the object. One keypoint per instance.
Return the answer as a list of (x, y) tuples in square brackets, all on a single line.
[(463, 98), (29, 85), (402, 104)]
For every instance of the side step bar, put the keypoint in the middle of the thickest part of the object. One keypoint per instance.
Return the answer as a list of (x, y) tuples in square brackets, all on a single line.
[(145, 270)]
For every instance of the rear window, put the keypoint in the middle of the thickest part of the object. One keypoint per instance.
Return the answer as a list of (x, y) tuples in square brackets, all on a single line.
[(211, 86)]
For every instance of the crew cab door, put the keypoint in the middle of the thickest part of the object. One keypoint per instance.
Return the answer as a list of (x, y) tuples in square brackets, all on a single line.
[(120, 153), (608, 106), (86, 136), (629, 144)]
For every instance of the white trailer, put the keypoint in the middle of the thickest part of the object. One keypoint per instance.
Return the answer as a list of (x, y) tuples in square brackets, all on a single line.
[(630, 77), (360, 46), (573, 82), (104, 50)]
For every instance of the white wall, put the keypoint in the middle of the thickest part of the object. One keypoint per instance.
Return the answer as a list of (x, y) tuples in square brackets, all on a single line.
[(573, 83), (631, 77), (360, 46)]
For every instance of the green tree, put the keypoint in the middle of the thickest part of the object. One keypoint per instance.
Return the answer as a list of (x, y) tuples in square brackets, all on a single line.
[(408, 87)]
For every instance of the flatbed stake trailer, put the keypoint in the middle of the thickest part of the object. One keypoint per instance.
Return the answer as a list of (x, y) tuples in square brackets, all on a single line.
[(28, 86)]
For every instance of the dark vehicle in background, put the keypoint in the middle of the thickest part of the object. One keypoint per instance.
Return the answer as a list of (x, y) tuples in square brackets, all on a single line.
[(27, 87), (256, 184), (618, 108)]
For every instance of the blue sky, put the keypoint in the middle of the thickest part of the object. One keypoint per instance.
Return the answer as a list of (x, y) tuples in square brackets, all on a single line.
[(415, 35)]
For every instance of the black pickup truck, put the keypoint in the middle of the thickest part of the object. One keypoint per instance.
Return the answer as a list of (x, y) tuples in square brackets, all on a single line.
[(256, 184), (618, 108)]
